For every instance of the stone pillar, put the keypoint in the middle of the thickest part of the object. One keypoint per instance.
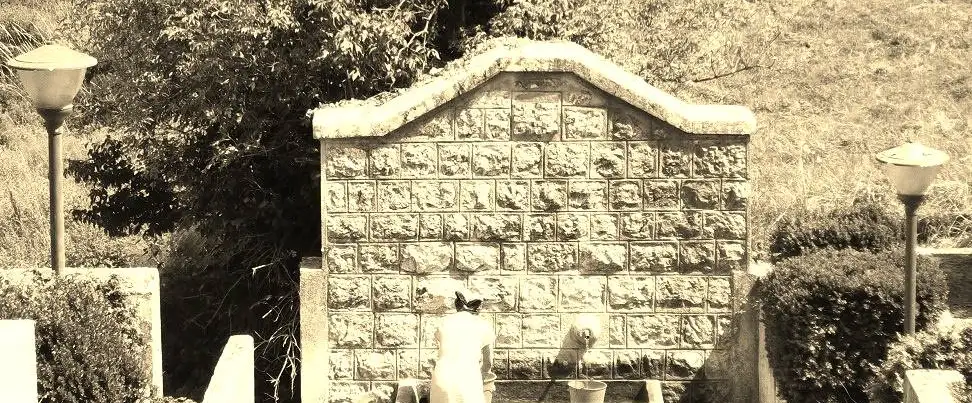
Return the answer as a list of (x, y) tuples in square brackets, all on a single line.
[(18, 374), (232, 380), (314, 366), (930, 385)]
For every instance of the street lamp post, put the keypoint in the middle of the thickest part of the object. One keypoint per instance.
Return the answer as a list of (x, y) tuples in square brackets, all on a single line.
[(911, 167), (52, 76)]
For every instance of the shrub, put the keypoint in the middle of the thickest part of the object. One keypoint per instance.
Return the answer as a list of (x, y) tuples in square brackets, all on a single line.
[(169, 399), (88, 344), (831, 314), (936, 349), (865, 227)]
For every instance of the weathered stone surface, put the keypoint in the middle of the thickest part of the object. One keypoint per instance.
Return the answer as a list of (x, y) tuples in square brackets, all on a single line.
[(538, 293), (499, 293), (361, 196), (349, 292), (435, 195), (625, 125), (572, 226), (498, 227), (653, 331), (731, 255), (335, 197), (435, 126), (684, 364), (726, 224), (426, 257), (631, 293), (391, 292), (408, 363), (513, 257), (342, 364), (653, 364), (524, 364), (394, 227), (340, 258), (681, 293), (625, 195), (587, 195), (584, 123), (379, 258), (541, 227), (396, 330), (549, 195), (345, 161), (375, 364), (642, 159), (637, 226), (454, 160), (676, 159), (735, 194), (582, 293), (508, 331), (696, 256), (498, 122), (455, 227), (608, 160), (430, 323), (724, 330), (700, 194), (720, 294), (559, 364), (418, 160), (347, 391), (654, 257), (541, 330), (604, 226), (679, 225), (551, 257), (661, 194), (597, 364), (536, 116), (720, 160), (617, 334), (345, 227), (627, 364), (430, 227), (491, 159), (512, 195), (477, 195), (351, 329), (436, 294), (386, 160), (698, 331), (501, 362), (527, 160), (477, 257), (394, 195), (603, 257), (567, 160), (470, 124)]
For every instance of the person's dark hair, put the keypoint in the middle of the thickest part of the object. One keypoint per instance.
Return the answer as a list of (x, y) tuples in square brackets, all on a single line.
[(468, 306)]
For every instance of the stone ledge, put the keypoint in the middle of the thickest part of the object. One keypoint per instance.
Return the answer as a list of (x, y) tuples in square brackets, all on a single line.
[(374, 118), (930, 385)]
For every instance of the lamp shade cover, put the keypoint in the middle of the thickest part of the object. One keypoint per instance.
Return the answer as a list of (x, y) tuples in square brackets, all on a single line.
[(52, 75), (912, 167)]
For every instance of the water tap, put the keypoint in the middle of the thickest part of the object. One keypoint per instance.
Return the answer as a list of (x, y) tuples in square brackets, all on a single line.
[(586, 329)]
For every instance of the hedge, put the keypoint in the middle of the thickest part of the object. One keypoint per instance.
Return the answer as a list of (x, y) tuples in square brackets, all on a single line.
[(866, 226), (933, 349)]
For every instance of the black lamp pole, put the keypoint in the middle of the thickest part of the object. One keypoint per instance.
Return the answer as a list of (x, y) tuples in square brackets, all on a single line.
[(911, 203), (53, 119)]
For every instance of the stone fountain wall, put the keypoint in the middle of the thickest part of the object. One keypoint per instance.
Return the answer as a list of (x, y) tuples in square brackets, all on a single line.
[(550, 198)]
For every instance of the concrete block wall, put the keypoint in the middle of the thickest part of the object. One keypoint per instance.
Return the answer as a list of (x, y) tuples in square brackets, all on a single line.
[(550, 198)]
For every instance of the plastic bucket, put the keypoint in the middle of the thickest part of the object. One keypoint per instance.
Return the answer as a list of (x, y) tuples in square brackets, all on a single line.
[(489, 386), (584, 391)]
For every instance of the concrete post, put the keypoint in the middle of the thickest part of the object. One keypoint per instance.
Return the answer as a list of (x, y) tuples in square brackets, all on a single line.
[(18, 374)]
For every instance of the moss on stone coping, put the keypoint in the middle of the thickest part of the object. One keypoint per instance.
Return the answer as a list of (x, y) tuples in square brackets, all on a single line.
[(383, 113)]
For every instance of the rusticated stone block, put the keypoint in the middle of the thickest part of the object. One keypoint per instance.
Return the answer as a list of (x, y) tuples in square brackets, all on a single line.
[(436, 294), (427, 357), (541, 330), (724, 330), (349, 292), (509, 329), (429, 324), (435, 195), (549, 195), (676, 159), (653, 331), (551, 257), (654, 257), (498, 227), (379, 258), (375, 364), (477, 195), (583, 123), (587, 195), (735, 194), (681, 293), (720, 160), (477, 257), (603, 257), (617, 334), (538, 293), (346, 391), (637, 226), (559, 364), (512, 195), (696, 256), (679, 224), (524, 364), (470, 124), (538, 81), (454, 160), (597, 364), (426, 257), (541, 227), (455, 227), (513, 257), (527, 160), (731, 256), (536, 116), (351, 329), (625, 125), (726, 224), (604, 226), (394, 195), (572, 226), (684, 364), (700, 194), (408, 363), (578, 92), (335, 197), (625, 195), (498, 124), (661, 194), (653, 364), (698, 331), (342, 364), (394, 227), (567, 160), (340, 258), (434, 127), (627, 364), (642, 159), (494, 95), (720, 294), (631, 293), (391, 292), (345, 227), (501, 364), (418, 160), (430, 227), (345, 161), (491, 159), (608, 160), (498, 292), (386, 160), (582, 293), (361, 196), (396, 330)]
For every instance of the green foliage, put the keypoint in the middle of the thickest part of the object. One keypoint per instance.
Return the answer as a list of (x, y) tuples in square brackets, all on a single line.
[(89, 346), (866, 227), (169, 399), (932, 349), (831, 314)]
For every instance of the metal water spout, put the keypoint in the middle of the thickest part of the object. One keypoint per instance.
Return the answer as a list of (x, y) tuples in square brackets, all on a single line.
[(585, 330)]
